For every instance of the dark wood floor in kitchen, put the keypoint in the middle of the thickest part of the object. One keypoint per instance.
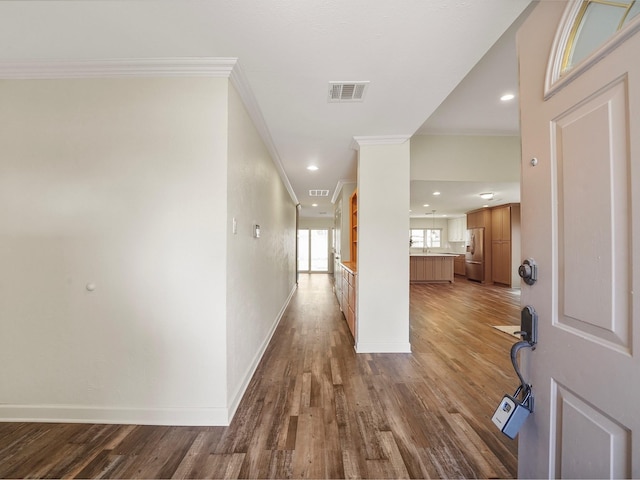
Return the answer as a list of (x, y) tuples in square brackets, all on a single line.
[(315, 409)]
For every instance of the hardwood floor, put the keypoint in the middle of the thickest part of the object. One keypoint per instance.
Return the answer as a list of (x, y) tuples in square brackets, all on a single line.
[(315, 409)]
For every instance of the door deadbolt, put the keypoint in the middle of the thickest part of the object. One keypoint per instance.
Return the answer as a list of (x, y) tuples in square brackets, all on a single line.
[(528, 271)]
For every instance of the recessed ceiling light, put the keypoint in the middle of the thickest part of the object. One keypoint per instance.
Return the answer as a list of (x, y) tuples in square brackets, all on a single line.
[(485, 206), (314, 204), (425, 205), (507, 96), (487, 196), (436, 193), (313, 168)]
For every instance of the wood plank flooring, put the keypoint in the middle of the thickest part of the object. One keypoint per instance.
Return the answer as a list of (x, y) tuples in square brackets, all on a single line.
[(315, 409)]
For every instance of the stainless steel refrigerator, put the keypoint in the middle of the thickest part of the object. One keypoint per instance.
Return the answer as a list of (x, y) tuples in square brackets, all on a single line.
[(474, 257)]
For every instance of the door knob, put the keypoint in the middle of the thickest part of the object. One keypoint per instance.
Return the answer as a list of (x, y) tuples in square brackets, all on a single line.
[(528, 271)]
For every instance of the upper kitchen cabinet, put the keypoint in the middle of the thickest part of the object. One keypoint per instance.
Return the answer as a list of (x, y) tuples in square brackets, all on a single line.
[(480, 219), (501, 223), (457, 229)]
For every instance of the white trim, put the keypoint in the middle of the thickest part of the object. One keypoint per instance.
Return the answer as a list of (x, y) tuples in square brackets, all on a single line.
[(554, 82), (119, 67), (362, 347), (114, 415), (379, 140), (225, 67), (210, 417), (237, 396), (554, 67), (341, 183)]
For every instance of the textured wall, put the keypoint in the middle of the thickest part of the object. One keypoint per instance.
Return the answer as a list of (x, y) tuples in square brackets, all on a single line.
[(260, 271), (119, 183)]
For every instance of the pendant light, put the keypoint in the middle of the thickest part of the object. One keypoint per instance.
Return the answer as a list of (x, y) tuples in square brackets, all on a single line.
[(433, 226)]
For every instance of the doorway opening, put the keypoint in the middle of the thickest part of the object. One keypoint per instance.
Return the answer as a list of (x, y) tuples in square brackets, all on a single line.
[(313, 250)]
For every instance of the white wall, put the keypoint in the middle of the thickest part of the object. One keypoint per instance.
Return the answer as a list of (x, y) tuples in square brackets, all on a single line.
[(465, 158), (315, 222), (383, 237), (260, 271), (120, 183)]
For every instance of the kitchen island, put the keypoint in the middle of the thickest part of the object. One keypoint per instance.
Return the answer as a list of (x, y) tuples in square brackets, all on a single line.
[(431, 267)]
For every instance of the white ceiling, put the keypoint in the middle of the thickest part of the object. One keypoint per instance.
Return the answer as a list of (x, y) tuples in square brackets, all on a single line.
[(474, 108), (413, 52), (457, 198)]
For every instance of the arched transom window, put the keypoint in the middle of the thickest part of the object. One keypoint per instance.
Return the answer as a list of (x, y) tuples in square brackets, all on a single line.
[(597, 21), (589, 30)]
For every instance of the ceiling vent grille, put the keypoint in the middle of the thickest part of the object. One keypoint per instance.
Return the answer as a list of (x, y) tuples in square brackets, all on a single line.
[(347, 91), (318, 193)]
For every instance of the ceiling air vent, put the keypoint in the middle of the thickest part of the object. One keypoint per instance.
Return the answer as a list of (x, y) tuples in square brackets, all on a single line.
[(347, 91), (318, 193)]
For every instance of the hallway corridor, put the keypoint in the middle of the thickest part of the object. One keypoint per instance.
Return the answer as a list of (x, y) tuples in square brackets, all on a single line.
[(316, 409)]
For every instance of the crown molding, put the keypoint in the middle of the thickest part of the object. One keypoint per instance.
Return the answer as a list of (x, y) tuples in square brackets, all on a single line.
[(379, 140), (223, 67), (119, 67), (341, 183), (239, 81)]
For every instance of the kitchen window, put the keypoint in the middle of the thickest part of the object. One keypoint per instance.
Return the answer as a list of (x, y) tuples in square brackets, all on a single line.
[(425, 238)]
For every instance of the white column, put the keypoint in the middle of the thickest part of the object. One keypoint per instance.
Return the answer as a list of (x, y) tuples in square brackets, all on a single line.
[(383, 245)]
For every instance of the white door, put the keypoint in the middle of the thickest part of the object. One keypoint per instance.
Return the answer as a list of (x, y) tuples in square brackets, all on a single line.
[(581, 223), (313, 250)]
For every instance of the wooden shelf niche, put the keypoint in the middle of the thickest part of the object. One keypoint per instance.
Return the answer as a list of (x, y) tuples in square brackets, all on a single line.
[(353, 209)]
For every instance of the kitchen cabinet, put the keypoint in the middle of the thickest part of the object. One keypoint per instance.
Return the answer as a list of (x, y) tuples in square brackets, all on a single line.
[(501, 223), (349, 289), (501, 255), (346, 281), (338, 285), (505, 244), (431, 268), (479, 219), (458, 265), (457, 229)]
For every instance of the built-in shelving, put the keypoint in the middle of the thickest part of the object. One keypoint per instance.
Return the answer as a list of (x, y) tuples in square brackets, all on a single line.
[(353, 208)]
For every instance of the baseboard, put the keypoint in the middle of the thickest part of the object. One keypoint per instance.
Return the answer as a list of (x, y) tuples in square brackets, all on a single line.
[(127, 416), (374, 347), (142, 416), (237, 397)]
